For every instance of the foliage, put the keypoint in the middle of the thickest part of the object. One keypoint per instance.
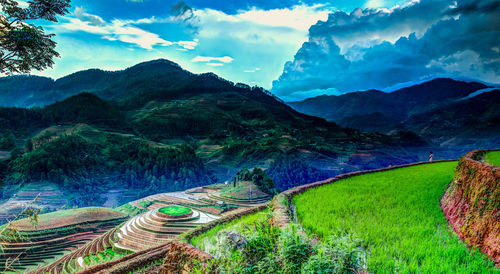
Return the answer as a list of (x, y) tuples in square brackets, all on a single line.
[(83, 166), (338, 254), (259, 178), (251, 244), (492, 158), (7, 141), (24, 46), (288, 172), (294, 250), (397, 215)]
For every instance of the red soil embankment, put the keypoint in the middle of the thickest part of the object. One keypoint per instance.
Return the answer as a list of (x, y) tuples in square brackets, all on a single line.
[(471, 204)]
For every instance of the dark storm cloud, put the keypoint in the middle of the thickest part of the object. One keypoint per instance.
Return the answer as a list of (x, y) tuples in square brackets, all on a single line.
[(183, 13), (348, 51)]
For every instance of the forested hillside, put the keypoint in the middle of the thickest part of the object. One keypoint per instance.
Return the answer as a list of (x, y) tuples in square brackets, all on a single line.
[(155, 127)]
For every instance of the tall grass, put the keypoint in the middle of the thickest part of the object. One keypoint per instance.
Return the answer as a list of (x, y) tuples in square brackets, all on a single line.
[(396, 214), (251, 245), (492, 158), (208, 239)]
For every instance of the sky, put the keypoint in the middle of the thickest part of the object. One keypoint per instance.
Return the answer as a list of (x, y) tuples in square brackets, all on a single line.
[(295, 48)]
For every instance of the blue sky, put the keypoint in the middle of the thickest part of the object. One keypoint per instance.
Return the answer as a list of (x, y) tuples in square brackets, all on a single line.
[(249, 41), (306, 47)]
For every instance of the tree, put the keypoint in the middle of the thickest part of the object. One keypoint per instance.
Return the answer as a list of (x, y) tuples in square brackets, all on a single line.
[(25, 46)]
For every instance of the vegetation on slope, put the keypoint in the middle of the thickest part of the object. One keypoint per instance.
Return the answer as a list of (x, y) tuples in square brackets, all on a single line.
[(288, 172), (397, 215), (258, 177), (492, 158), (82, 165), (250, 244), (471, 204)]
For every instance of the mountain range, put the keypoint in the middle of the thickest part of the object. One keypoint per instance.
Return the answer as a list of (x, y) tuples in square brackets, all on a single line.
[(156, 127), (455, 116)]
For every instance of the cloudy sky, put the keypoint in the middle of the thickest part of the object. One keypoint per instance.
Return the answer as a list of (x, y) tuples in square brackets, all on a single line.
[(296, 48)]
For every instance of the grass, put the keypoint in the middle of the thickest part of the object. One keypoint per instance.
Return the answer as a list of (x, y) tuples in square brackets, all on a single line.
[(206, 239), (492, 158), (175, 210), (397, 216)]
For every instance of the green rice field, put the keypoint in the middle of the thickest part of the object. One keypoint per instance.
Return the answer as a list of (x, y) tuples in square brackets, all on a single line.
[(174, 210), (396, 214), (492, 158)]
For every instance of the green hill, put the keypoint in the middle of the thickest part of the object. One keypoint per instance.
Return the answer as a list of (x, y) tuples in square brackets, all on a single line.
[(156, 127)]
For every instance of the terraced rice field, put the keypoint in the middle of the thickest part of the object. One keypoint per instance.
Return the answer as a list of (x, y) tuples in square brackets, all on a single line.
[(99, 250), (175, 210), (69, 217), (396, 214), (57, 233), (153, 227), (97, 235), (244, 194), (178, 198), (49, 195), (144, 231), (492, 158)]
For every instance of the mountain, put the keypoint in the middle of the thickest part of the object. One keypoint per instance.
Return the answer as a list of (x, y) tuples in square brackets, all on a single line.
[(444, 111), (398, 104), (474, 122), (24, 90), (40, 91), (156, 127)]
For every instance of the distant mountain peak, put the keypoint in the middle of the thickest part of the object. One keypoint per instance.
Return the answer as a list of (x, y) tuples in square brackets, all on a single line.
[(160, 61)]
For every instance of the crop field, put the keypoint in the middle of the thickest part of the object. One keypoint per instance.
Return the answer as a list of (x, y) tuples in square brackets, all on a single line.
[(492, 158), (245, 194), (68, 218), (243, 190), (57, 233), (175, 210), (397, 216)]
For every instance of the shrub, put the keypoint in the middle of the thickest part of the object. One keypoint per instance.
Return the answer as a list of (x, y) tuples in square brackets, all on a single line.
[(339, 254), (294, 249)]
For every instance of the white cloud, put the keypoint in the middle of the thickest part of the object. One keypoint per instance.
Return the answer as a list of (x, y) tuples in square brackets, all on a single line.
[(252, 70), (95, 20), (188, 44), (225, 59), (371, 4), (256, 25), (22, 4), (119, 30), (299, 17)]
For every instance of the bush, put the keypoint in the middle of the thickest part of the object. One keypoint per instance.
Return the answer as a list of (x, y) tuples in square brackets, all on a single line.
[(294, 250), (7, 141), (338, 254), (259, 178), (263, 248)]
